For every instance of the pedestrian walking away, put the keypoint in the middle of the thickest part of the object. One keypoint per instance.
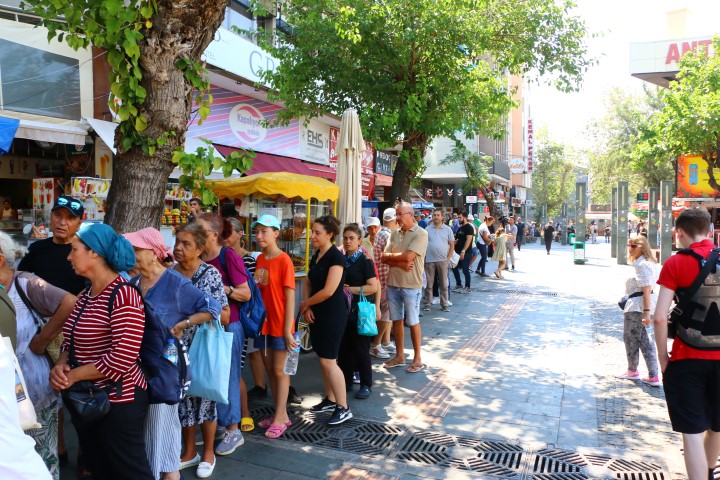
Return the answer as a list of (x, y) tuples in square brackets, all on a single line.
[(512, 230), (484, 241)]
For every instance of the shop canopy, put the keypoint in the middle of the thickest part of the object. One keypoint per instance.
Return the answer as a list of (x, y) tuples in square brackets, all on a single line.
[(272, 184)]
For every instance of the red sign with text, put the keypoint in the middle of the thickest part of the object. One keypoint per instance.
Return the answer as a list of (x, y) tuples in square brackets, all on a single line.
[(366, 164)]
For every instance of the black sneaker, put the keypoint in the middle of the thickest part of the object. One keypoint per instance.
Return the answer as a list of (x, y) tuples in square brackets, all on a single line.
[(257, 393), (324, 406), (293, 396), (363, 393), (340, 415)]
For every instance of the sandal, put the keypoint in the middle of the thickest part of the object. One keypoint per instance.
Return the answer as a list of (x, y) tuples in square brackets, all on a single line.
[(393, 364), (268, 422), (276, 430), (414, 368), (83, 471), (247, 424)]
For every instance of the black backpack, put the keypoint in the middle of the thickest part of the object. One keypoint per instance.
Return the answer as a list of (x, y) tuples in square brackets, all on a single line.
[(167, 383), (696, 318), (252, 312)]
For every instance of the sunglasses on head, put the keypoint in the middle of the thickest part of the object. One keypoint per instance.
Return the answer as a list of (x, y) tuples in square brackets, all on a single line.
[(72, 204), (630, 245)]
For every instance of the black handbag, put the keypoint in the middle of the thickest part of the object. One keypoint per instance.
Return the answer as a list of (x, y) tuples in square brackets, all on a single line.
[(86, 402), (623, 301)]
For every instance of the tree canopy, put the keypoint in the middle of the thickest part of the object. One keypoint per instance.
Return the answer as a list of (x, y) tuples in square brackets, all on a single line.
[(689, 121), (153, 48), (554, 174), (616, 135), (422, 69), (476, 169)]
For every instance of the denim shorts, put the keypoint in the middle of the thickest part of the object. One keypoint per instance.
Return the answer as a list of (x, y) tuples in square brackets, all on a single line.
[(404, 303), (273, 343)]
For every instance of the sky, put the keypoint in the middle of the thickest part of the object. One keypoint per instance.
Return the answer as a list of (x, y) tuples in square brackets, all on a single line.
[(618, 24)]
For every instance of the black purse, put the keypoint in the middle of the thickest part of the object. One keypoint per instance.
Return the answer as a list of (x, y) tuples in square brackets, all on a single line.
[(86, 402), (623, 301)]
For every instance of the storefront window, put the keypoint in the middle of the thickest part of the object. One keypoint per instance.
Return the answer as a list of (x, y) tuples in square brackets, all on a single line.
[(40, 82), (238, 15)]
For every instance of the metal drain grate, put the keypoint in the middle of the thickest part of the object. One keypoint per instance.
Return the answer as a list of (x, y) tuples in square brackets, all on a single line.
[(450, 451), (554, 464), (354, 436), (517, 292)]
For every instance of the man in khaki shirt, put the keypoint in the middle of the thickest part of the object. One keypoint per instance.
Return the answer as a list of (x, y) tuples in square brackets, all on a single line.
[(405, 254)]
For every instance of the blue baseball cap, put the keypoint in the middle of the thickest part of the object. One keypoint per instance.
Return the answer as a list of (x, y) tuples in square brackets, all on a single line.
[(267, 221)]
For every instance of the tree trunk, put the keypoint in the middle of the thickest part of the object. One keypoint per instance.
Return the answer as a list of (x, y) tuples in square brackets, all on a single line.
[(180, 29), (408, 166), (490, 199)]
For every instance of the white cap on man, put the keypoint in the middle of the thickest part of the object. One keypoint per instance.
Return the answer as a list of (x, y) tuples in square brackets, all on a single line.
[(389, 214), (372, 222)]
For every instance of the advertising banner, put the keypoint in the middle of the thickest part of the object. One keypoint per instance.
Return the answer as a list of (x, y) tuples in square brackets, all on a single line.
[(315, 142), (366, 164), (693, 180), (237, 120)]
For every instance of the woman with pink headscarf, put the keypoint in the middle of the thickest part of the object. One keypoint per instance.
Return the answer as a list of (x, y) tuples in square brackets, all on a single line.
[(179, 305)]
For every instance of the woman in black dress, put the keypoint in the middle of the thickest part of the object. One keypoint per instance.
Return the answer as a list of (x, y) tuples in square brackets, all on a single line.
[(355, 348), (326, 311)]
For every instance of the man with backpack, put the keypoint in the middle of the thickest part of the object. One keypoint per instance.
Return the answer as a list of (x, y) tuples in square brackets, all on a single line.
[(692, 370)]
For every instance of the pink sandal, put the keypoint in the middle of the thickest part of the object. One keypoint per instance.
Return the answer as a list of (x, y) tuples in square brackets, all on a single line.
[(275, 431), (267, 423)]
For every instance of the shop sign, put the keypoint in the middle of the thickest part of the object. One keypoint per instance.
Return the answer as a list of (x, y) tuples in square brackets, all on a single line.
[(173, 191), (677, 49), (16, 167), (315, 142), (366, 162), (471, 199), (517, 165), (517, 202), (368, 187), (530, 142), (384, 163), (237, 121), (77, 158), (693, 178), (234, 54)]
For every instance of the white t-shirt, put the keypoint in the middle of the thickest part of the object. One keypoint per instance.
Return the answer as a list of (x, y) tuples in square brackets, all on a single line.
[(483, 228), (18, 459)]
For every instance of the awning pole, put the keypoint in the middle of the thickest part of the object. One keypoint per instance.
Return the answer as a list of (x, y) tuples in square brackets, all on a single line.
[(307, 237)]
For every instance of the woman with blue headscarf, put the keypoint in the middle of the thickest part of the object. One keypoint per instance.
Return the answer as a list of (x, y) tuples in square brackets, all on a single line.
[(106, 349)]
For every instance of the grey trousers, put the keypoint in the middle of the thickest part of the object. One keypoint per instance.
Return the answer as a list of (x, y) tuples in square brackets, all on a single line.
[(511, 254), (442, 269), (637, 340)]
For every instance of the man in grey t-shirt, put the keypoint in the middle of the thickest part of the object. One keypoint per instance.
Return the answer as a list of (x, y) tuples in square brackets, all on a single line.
[(511, 229), (441, 244)]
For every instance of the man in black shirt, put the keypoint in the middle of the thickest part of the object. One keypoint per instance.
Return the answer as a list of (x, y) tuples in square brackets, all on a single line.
[(463, 242), (548, 234), (521, 231)]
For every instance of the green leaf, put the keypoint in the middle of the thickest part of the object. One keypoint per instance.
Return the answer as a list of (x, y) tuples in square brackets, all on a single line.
[(140, 123)]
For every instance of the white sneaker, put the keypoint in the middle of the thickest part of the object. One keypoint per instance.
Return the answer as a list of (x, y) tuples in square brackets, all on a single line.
[(436, 301), (190, 463), (379, 352), (449, 303), (390, 348)]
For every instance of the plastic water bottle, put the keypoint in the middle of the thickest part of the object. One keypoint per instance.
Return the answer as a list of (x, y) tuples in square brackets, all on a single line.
[(170, 352), (291, 361)]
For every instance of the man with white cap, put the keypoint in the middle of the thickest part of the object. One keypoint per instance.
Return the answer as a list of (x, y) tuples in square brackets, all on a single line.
[(381, 347), (372, 226)]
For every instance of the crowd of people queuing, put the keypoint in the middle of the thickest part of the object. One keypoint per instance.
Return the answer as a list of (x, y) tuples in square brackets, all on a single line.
[(81, 296)]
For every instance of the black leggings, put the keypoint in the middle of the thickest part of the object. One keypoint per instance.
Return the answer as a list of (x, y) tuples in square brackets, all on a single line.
[(548, 244), (115, 446), (354, 355)]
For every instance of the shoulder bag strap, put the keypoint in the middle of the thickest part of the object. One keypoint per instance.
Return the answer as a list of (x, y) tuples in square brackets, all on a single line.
[(23, 296), (706, 266), (207, 267), (72, 361)]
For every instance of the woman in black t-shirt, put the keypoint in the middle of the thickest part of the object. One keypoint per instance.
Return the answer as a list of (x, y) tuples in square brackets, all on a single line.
[(325, 309), (355, 348)]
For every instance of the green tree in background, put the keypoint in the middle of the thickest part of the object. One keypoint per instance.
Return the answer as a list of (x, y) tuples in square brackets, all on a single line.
[(615, 136), (476, 168), (689, 122), (554, 174), (421, 69)]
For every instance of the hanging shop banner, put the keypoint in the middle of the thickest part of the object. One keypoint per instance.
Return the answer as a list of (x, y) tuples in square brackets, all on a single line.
[(693, 180), (530, 145), (238, 121), (315, 142), (366, 164)]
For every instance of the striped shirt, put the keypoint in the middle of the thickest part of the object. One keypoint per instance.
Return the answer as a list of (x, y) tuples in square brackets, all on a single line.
[(111, 344)]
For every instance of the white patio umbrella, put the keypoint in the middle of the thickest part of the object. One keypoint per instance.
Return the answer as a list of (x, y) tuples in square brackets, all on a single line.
[(350, 148)]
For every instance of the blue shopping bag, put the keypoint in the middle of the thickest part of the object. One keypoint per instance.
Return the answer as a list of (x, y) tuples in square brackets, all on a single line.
[(366, 317), (210, 358)]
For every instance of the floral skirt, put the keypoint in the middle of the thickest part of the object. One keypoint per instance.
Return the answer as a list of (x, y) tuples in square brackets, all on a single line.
[(46, 439)]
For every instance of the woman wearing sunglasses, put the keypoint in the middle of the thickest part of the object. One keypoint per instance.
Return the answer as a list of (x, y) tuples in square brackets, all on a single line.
[(637, 312)]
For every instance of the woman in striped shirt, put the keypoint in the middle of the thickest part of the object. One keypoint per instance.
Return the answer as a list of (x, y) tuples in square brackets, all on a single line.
[(107, 349)]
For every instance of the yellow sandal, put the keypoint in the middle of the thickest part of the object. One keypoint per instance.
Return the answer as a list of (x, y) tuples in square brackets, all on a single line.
[(247, 424)]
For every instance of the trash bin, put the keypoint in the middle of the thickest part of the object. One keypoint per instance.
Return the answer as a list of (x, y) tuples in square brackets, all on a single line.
[(571, 238), (579, 252)]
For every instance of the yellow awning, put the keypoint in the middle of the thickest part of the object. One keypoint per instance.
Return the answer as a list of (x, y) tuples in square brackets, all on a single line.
[(273, 184)]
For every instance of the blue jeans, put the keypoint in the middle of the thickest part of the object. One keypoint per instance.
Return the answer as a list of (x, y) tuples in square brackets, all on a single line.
[(464, 265), (482, 248), (230, 414)]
